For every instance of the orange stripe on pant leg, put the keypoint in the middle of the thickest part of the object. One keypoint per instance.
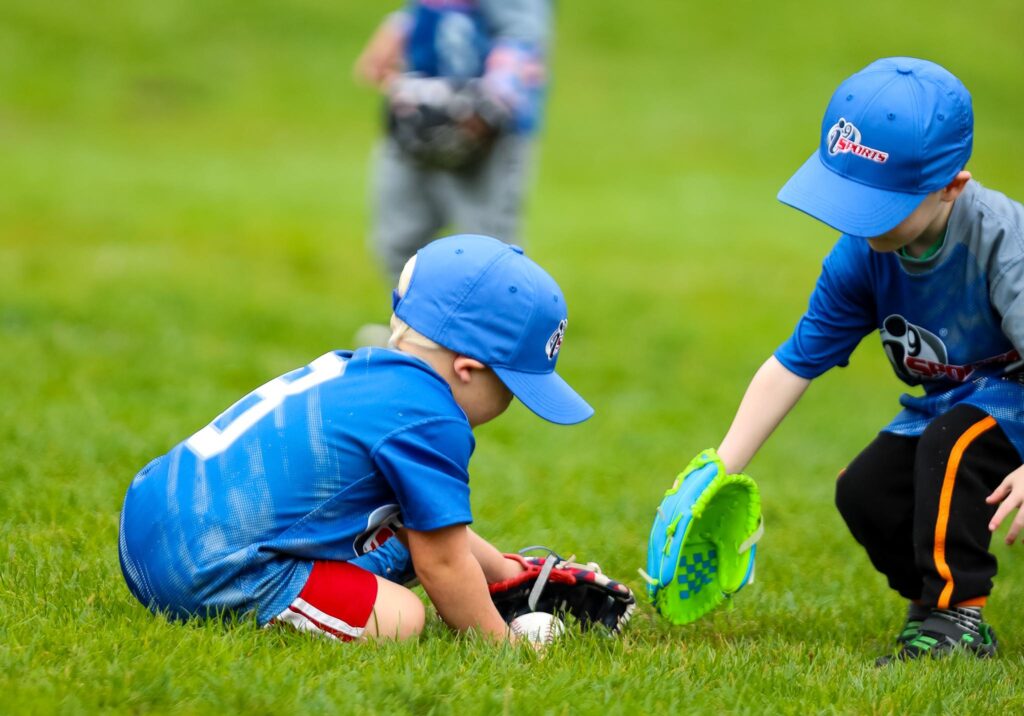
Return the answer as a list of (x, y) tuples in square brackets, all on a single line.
[(945, 500)]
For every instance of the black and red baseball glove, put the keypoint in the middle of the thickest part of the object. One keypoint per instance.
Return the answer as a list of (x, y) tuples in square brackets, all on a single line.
[(560, 587)]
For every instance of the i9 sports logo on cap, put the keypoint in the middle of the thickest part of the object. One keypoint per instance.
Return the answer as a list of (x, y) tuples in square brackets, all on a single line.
[(918, 129), (845, 137), (555, 342)]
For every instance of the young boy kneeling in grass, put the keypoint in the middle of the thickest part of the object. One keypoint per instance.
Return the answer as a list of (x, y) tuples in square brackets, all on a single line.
[(313, 499)]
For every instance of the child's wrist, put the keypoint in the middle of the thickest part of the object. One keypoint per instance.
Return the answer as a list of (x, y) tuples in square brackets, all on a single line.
[(512, 565)]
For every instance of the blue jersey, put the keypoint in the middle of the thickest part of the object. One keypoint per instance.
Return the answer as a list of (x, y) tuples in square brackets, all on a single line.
[(322, 463), (504, 41), (953, 323)]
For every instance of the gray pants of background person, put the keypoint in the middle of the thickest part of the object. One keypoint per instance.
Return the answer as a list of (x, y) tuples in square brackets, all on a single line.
[(412, 204)]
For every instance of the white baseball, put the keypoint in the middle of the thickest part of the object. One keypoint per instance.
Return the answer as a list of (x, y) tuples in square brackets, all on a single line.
[(537, 627)]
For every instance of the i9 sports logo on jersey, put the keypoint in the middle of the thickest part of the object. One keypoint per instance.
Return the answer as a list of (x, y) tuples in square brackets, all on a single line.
[(844, 137)]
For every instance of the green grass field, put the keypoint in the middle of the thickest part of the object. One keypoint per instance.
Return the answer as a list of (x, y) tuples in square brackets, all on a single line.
[(182, 217)]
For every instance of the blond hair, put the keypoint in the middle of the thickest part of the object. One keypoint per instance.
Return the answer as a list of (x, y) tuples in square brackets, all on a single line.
[(400, 330)]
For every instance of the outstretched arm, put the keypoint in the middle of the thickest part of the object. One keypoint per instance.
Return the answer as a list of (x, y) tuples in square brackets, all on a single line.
[(454, 580), (772, 393)]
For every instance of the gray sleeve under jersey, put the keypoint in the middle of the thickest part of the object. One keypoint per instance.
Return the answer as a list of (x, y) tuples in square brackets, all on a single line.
[(526, 21), (992, 227)]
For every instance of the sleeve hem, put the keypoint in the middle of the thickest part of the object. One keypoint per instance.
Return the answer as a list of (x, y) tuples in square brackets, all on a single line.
[(450, 520), (801, 372)]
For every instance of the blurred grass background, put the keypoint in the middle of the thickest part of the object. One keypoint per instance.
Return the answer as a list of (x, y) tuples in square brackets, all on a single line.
[(183, 215)]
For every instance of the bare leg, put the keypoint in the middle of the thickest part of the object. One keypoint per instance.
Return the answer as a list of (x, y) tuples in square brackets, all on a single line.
[(397, 614)]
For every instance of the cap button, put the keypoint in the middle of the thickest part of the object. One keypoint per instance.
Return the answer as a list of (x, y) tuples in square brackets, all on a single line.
[(517, 249), (905, 69)]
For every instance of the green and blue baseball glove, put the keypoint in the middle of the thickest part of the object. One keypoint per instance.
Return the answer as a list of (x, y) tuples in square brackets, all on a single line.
[(702, 545)]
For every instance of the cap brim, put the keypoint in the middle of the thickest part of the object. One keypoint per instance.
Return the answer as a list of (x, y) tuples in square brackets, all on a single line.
[(547, 395), (847, 206)]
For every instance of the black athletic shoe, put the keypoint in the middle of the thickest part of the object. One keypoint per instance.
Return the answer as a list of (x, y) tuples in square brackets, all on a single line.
[(940, 635), (910, 631), (916, 614)]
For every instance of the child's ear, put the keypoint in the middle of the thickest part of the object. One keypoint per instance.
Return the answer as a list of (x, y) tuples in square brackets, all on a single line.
[(463, 367), (955, 187)]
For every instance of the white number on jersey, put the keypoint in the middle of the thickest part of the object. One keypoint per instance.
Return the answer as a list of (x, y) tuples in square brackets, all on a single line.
[(211, 440)]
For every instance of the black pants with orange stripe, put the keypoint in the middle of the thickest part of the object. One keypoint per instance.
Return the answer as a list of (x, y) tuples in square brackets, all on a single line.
[(917, 505)]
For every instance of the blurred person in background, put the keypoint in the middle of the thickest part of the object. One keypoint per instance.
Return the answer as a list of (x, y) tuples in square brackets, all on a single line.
[(464, 87)]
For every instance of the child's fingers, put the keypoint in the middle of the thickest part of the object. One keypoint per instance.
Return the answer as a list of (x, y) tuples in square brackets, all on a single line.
[(1016, 527), (1013, 502), (997, 518), (999, 493), (1004, 509)]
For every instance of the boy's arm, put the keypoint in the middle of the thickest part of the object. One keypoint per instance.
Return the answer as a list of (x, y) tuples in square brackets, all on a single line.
[(382, 58), (455, 581), (772, 393), (494, 564), (526, 21), (516, 66)]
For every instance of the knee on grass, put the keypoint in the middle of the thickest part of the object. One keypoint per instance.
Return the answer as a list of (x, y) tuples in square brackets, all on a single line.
[(397, 613)]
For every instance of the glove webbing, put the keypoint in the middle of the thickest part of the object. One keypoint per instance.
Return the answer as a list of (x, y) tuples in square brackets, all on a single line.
[(545, 572), (747, 544), (538, 586)]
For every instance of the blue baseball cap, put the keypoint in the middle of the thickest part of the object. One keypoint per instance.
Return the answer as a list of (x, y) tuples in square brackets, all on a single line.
[(893, 133), (483, 298)]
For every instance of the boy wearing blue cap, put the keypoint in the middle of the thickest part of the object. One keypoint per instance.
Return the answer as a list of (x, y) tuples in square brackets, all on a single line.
[(935, 262), (313, 499)]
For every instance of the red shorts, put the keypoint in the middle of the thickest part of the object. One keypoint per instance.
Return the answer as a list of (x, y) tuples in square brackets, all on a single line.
[(337, 601)]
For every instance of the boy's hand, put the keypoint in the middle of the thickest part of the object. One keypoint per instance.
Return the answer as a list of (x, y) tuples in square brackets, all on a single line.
[(1011, 494)]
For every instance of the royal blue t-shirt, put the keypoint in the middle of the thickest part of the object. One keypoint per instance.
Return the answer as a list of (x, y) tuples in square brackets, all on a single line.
[(505, 41), (953, 324), (322, 463)]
